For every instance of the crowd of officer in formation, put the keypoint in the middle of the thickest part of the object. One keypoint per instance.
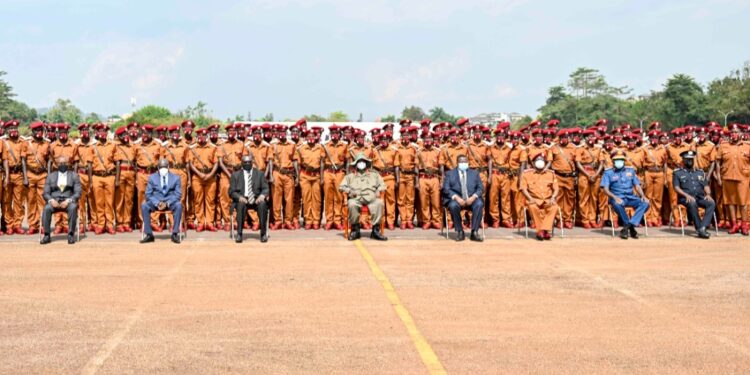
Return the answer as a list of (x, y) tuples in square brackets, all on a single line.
[(305, 173)]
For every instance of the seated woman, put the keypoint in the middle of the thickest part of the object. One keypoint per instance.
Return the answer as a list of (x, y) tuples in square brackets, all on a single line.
[(539, 186)]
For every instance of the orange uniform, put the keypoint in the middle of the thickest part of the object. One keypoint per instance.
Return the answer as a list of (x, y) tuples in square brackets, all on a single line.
[(478, 153), (37, 163), (540, 185), (734, 160), (450, 154), (103, 183), (84, 157), (333, 174), (14, 196), (385, 160), (230, 154), (146, 162), (654, 179), (202, 159), (283, 155), (430, 162), (499, 185), (310, 158), (407, 163), (515, 160), (125, 186), (590, 159), (564, 166)]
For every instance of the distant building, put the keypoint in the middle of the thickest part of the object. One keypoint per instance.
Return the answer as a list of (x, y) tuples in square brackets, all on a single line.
[(494, 117)]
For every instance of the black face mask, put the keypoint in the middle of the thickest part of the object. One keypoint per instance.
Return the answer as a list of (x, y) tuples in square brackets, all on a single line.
[(688, 163), (62, 168), (247, 166)]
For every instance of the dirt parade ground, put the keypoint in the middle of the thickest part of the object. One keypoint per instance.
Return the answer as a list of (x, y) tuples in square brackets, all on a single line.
[(310, 302)]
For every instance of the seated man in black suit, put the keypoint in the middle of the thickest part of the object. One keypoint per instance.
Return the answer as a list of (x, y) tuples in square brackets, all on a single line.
[(62, 189), (249, 189), (462, 190)]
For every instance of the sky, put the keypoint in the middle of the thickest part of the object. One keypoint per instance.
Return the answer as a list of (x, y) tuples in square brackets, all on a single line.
[(296, 57)]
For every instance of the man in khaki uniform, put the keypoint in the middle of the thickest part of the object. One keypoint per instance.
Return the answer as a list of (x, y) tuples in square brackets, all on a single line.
[(429, 162), (563, 164), (124, 180), (229, 154), (15, 181), (590, 167), (385, 162), (310, 165), (500, 180), (363, 188), (103, 180), (333, 174), (37, 166), (283, 177), (84, 158), (405, 179), (203, 165)]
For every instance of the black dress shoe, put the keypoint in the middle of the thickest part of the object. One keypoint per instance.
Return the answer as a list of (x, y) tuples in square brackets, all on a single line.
[(45, 240), (702, 233), (148, 238), (71, 239), (633, 232), (354, 233), (461, 236), (624, 233), (238, 237), (376, 235), (263, 238), (175, 238), (475, 237)]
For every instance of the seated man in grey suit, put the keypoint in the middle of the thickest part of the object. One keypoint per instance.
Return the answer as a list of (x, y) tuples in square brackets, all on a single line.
[(62, 190)]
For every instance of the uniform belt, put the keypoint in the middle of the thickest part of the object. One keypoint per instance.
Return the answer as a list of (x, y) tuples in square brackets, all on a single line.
[(566, 174), (146, 170), (37, 171), (655, 169), (385, 170), (286, 171), (590, 165), (204, 170), (126, 168), (407, 172), (16, 169), (178, 166), (310, 172), (429, 171), (514, 172), (331, 170), (482, 169), (103, 174), (428, 175)]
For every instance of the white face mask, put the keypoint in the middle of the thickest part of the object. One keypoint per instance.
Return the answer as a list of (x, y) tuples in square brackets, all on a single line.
[(361, 165), (163, 171), (539, 163), (619, 163), (463, 166)]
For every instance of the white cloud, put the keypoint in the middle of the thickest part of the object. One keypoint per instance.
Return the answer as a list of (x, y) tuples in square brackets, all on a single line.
[(392, 82), (505, 91), (140, 66)]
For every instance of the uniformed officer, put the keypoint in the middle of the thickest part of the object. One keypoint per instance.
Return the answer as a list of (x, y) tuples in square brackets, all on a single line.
[(618, 183), (363, 188), (15, 182), (691, 184), (203, 165), (37, 166), (124, 180), (103, 180)]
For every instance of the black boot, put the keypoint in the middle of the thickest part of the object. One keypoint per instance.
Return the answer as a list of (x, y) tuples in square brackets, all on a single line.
[(376, 235), (354, 233)]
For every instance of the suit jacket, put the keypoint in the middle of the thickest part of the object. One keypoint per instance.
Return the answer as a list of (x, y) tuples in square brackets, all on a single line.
[(452, 184), (72, 189), (155, 194), (258, 182)]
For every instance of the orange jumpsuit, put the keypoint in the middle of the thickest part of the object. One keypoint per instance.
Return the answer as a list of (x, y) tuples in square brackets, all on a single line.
[(15, 191), (499, 190), (37, 156), (310, 160), (202, 157), (590, 158), (385, 160), (407, 157), (429, 162), (230, 153), (103, 183), (146, 163), (333, 174), (654, 175), (283, 155), (87, 204), (125, 155), (564, 165), (515, 159)]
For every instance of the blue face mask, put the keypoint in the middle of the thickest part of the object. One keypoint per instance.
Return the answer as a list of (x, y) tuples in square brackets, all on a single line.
[(463, 166), (619, 163)]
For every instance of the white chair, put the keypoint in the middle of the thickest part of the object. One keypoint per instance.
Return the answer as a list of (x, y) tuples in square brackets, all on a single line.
[(77, 228), (170, 220), (612, 220), (445, 230), (233, 221), (682, 222), (559, 220)]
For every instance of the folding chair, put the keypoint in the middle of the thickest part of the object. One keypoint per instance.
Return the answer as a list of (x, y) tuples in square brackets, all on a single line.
[(526, 223), (444, 230), (170, 219), (232, 208), (612, 221), (682, 222), (345, 213), (77, 231)]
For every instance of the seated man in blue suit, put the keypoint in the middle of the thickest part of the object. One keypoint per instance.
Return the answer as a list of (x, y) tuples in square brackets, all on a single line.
[(163, 193), (462, 190)]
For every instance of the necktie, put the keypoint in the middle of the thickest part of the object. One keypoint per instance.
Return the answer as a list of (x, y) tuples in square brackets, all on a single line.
[(164, 183), (249, 186), (464, 191)]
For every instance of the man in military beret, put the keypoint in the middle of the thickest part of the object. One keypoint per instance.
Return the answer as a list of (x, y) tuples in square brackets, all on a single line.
[(363, 188), (619, 183), (691, 185)]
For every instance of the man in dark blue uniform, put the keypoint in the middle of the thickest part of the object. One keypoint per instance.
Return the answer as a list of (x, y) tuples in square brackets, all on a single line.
[(621, 184), (693, 191)]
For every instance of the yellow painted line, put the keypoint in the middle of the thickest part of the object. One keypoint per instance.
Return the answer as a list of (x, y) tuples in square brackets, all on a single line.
[(429, 358)]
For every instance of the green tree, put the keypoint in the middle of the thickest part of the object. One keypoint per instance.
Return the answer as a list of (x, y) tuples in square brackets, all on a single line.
[(684, 102), (730, 97), (267, 118), (438, 114), (19, 111), (6, 95), (338, 116), (521, 122), (413, 113), (388, 118), (315, 118), (64, 111)]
